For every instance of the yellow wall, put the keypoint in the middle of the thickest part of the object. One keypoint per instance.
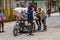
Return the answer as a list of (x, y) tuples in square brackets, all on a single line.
[(12, 14), (6, 9), (12, 17)]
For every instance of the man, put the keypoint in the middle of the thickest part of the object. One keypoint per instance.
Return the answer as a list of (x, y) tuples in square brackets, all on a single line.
[(59, 9), (49, 12), (30, 19), (19, 11), (1, 20), (43, 18), (38, 18)]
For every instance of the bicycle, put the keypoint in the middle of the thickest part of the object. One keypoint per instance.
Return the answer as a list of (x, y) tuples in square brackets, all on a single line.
[(21, 26)]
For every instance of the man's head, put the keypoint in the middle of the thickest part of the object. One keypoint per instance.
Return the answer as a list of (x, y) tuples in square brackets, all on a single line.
[(17, 5), (30, 6)]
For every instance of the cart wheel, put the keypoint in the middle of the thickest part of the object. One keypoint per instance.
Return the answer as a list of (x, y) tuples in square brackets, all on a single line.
[(15, 32)]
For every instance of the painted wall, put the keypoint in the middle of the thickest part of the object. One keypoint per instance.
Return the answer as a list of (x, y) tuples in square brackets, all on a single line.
[(10, 4)]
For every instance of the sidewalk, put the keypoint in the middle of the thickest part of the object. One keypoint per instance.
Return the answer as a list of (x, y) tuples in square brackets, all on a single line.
[(52, 33), (9, 24), (55, 14)]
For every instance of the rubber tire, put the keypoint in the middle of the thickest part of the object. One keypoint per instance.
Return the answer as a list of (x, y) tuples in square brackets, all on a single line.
[(15, 32)]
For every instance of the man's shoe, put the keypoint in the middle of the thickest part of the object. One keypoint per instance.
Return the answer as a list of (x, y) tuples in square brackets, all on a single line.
[(41, 31), (45, 30), (3, 31), (38, 29), (30, 34), (0, 31)]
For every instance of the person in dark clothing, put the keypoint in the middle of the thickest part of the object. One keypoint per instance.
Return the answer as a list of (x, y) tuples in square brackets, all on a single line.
[(38, 21), (49, 12), (59, 9), (39, 24), (43, 18), (1, 21), (30, 19)]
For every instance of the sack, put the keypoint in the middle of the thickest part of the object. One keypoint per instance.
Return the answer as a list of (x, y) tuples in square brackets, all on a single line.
[(39, 15), (21, 17)]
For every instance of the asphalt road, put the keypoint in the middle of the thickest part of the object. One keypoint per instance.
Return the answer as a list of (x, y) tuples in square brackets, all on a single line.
[(52, 33)]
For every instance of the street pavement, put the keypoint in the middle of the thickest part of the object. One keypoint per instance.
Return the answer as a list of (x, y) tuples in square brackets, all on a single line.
[(52, 33)]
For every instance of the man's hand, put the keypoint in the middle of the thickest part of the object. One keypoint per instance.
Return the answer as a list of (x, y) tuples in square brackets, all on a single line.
[(26, 13), (4, 18)]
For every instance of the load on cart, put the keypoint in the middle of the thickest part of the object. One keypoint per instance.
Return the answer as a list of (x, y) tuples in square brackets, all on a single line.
[(20, 12)]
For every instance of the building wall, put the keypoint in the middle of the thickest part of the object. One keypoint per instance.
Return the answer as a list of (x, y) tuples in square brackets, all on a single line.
[(59, 3), (8, 9), (8, 6), (3, 4), (40, 4)]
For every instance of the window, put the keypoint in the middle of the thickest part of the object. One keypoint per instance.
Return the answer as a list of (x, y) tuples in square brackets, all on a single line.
[(22, 4), (1, 3)]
